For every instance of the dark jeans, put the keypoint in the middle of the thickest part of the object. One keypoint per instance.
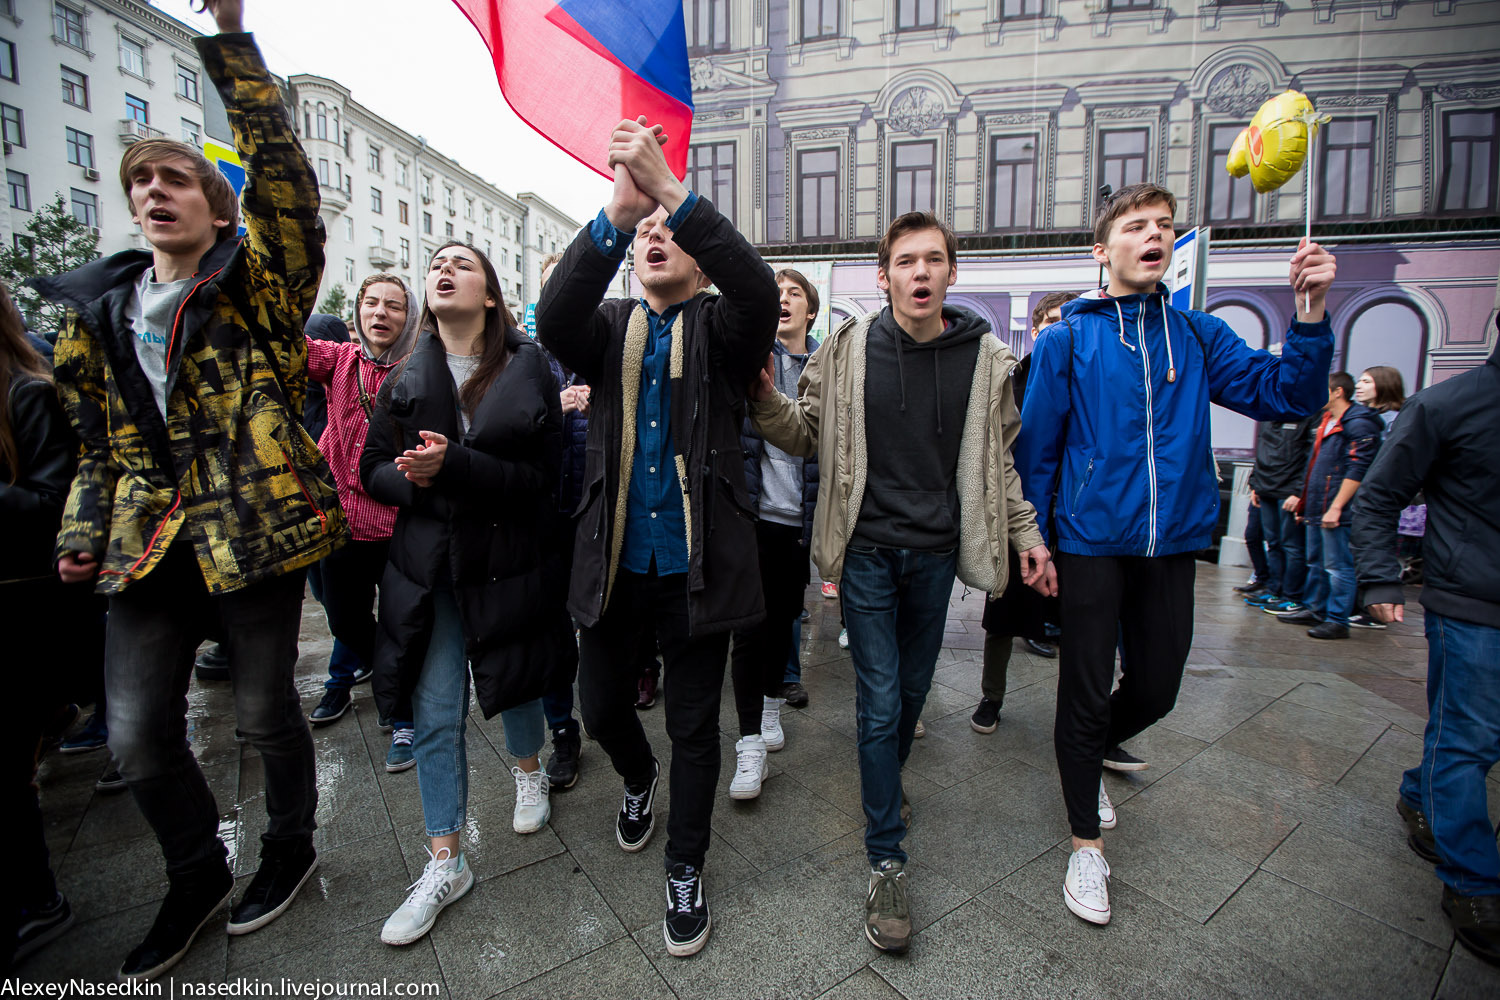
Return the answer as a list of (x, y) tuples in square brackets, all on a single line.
[(154, 629), (895, 604), (608, 670), (1330, 587), (348, 578), (1255, 546), (1459, 746), (1146, 606), (759, 660), (992, 678), (1285, 550)]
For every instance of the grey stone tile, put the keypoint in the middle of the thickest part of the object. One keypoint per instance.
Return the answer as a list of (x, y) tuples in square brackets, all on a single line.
[(1284, 722), (781, 824), (1150, 949), (1217, 815), (618, 969), (865, 984), (973, 952), (835, 780), (1399, 746), (517, 926), (762, 947), (1162, 748), (357, 956), (101, 880), (982, 830), (1208, 708), (354, 885), (1341, 697), (1403, 896), (1173, 866), (1327, 948), (350, 806), (1468, 978)]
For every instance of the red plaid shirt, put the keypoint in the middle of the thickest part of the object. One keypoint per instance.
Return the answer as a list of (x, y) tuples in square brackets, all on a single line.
[(334, 365)]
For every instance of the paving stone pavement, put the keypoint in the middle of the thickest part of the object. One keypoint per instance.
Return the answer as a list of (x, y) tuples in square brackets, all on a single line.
[(1260, 856)]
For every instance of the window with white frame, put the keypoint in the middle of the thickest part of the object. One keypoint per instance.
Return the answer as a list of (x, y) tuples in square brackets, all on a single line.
[(1012, 182), (916, 15), (1122, 156), (349, 228), (377, 236), (401, 168), (133, 56), (405, 252), (1471, 160), (13, 125), (489, 217), (1229, 199), (192, 132), (321, 118), (913, 177), (20, 190), (137, 109), (707, 23), (711, 173), (8, 61), (448, 201), (187, 83), (821, 19), (377, 201), (1346, 176), (818, 193), (374, 160), (349, 269), (469, 209)]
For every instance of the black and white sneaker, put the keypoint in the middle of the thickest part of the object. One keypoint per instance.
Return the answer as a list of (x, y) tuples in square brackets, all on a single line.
[(191, 901), (1364, 621), (688, 922), (634, 824), (1117, 759), (283, 870)]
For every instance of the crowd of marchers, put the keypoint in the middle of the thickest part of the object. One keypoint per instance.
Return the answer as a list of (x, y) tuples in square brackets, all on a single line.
[(633, 499)]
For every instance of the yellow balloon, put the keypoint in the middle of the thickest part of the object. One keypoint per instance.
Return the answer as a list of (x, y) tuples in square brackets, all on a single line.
[(1274, 145)]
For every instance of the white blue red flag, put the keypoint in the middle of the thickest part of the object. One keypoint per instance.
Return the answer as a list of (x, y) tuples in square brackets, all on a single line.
[(572, 69)]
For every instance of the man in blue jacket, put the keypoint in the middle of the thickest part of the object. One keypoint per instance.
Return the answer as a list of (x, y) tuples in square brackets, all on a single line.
[(1115, 453)]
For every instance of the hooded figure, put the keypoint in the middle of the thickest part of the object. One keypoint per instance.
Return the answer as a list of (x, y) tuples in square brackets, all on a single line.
[(353, 374)]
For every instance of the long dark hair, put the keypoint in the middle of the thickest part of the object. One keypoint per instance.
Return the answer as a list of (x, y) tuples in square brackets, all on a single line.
[(17, 357), (500, 336), (1390, 389)]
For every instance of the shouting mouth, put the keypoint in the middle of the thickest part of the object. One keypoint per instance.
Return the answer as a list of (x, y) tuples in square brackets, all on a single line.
[(1153, 257), (161, 216), (921, 296), (656, 255), (445, 285)]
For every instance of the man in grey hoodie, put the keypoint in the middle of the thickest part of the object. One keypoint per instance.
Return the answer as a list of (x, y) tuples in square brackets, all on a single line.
[(917, 486)]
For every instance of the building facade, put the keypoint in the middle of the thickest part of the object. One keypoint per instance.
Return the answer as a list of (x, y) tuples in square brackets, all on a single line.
[(81, 80), (818, 121)]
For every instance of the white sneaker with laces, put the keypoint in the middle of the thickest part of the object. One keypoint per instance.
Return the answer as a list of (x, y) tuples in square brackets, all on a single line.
[(533, 800), (1107, 817), (770, 723), (1086, 887), (843, 638), (443, 881), (750, 767)]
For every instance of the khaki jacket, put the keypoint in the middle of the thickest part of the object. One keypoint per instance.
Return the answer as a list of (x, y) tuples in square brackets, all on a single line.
[(992, 512)]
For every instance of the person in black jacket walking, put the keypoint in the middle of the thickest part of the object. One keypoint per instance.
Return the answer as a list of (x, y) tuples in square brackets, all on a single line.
[(38, 453), (666, 537), (1282, 449), (1447, 445), (466, 441)]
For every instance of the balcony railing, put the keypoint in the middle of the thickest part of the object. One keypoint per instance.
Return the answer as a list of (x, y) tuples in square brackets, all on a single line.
[(132, 131), (382, 257)]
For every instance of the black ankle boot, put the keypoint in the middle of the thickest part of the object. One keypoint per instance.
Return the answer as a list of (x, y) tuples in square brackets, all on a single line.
[(283, 870)]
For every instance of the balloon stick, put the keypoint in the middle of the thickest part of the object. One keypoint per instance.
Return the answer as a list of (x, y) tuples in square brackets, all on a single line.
[(1311, 167)]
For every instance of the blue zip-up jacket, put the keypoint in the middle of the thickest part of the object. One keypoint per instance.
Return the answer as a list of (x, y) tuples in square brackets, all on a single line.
[(1343, 449), (1115, 450)]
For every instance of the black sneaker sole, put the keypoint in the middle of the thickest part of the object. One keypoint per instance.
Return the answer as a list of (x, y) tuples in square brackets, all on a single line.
[(324, 720), (1120, 765), (265, 918), (682, 949), (146, 975), (44, 937)]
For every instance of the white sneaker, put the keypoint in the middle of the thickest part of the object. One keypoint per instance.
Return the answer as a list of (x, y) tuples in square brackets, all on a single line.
[(749, 767), (533, 800), (1107, 817), (443, 881), (1086, 888), (843, 638), (770, 723), (920, 730)]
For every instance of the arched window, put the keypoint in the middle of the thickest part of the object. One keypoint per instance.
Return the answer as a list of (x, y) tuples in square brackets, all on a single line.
[(1392, 333), (1234, 431), (322, 120)]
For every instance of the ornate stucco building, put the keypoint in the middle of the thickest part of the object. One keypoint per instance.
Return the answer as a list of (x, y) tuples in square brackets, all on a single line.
[(817, 121)]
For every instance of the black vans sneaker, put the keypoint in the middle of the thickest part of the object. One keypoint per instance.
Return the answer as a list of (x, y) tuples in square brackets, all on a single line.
[(634, 824), (42, 924), (688, 922), (191, 902), (283, 870), (1117, 758), (562, 766)]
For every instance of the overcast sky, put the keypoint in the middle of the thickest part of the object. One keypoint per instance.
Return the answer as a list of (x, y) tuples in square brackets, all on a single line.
[(420, 65)]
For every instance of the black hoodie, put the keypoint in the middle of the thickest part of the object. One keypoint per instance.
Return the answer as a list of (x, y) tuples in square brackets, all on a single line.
[(916, 399)]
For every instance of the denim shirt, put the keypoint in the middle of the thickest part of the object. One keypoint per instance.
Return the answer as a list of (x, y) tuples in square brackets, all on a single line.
[(655, 527)]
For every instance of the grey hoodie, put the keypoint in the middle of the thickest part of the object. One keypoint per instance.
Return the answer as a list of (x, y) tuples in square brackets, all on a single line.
[(916, 398), (404, 343)]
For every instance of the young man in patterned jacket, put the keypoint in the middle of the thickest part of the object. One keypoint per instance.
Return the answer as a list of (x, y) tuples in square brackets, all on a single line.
[(199, 500)]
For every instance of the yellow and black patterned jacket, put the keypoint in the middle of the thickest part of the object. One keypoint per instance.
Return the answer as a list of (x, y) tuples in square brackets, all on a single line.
[(230, 469)]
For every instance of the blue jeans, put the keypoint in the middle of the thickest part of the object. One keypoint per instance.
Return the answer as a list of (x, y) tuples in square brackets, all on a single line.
[(895, 604), (1284, 550), (440, 706), (1338, 563), (1315, 584), (1459, 746)]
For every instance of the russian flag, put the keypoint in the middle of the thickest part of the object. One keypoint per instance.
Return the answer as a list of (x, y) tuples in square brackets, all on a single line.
[(572, 69)]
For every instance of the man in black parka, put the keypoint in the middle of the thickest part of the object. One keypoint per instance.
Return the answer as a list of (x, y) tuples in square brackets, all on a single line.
[(666, 537)]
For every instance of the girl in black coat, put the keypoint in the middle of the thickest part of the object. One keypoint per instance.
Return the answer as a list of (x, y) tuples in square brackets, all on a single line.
[(466, 442), (37, 456)]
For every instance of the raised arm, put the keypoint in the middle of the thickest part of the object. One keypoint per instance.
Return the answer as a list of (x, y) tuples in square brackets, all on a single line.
[(741, 322)]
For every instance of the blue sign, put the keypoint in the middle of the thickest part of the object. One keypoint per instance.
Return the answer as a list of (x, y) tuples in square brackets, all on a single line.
[(530, 321)]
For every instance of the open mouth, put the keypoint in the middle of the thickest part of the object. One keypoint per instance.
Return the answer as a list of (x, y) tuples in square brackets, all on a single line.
[(161, 215), (656, 255), (921, 296), (786, 315), (1153, 256), (445, 285), (379, 328)]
